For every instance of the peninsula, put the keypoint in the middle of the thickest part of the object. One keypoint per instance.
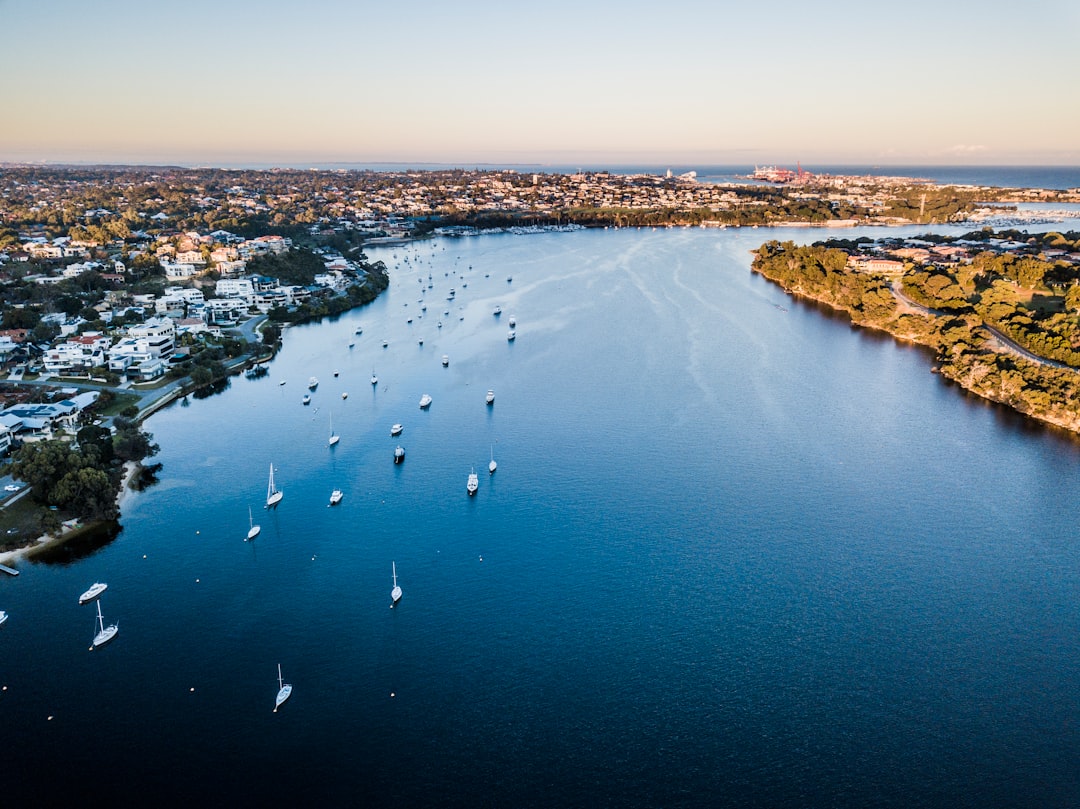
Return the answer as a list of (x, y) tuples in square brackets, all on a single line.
[(999, 309)]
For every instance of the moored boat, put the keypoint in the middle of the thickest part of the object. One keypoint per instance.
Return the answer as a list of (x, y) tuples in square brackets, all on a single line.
[(490, 397), (253, 529), (399, 454), (445, 360), (95, 590), (335, 496), (473, 483), (105, 633), (425, 402), (284, 690), (396, 429), (273, 496), (395, 594), (312, 383), (511, 335)]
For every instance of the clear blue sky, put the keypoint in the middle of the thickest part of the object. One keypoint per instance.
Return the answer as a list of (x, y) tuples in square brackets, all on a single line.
[(682, 81)]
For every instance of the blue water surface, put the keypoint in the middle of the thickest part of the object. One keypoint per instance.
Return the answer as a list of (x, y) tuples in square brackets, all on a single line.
[(735, 553)]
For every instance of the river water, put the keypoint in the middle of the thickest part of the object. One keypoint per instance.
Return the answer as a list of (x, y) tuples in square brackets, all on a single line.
[(735, 552)]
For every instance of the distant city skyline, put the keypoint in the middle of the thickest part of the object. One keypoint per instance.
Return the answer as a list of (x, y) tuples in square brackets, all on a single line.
[(479, 82)]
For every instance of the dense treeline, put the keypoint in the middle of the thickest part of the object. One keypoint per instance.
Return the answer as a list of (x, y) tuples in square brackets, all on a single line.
[(80, 479), (955, 328)]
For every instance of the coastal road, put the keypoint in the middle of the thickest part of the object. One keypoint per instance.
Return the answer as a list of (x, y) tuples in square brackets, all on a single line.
[(999, 341)]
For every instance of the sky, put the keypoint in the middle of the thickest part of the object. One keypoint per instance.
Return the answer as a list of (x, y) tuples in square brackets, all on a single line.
[(949, 82)]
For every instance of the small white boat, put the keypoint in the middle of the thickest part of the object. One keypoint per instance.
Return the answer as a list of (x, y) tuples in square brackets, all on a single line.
[(3, 617), (351, 343), (509, 278), (438, 324), (359, 330), (334, 437), (306, 400), (385, 343), (395, 594), (421, 341), (374, 379), (510, 335), (273, 496), (445, 360), (513, 322), (473, 484), (396, 429), (312, 383), (344, 394), (498, 311), (105, 633), (95, 590), (284, 690), (490, 397), (335, 496), (399, 454), (253, 529), (492, 466), (282, 382), (335, 372), (425, 402)]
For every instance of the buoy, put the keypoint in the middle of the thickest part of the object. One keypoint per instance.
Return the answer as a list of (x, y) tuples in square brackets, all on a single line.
[(192, 690), (144, 556)]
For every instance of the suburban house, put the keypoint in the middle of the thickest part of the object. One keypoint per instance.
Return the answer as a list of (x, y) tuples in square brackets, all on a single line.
[(80, 352)]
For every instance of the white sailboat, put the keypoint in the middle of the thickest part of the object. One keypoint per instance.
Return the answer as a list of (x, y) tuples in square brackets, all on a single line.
[(395, 594), (105, 633), (284, 690), (273, 496), (492, 466), (253, 529), (333, 438)]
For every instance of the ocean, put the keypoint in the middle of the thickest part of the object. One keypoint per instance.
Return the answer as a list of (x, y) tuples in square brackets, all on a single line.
[(736, 552)]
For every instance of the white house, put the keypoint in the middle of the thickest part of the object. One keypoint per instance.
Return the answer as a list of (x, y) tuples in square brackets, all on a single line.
[(236, 288), (177, 272), (79, 353)]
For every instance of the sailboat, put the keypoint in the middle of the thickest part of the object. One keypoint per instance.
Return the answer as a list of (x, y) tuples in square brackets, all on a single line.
[(284, 690), (492, 466), (273, 496), (253, 529), (395, 594), (105, 633), (333, 438)]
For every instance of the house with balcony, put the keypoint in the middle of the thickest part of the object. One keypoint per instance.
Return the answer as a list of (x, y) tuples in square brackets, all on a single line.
[(80, 353)]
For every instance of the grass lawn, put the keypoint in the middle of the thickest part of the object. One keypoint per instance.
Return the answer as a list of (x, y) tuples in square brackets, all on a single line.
[(20, 523)]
